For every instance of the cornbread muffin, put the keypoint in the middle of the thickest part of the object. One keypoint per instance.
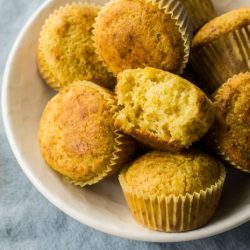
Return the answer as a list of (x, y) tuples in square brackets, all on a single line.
[(200, 11), (231, 131), (173, 192), (221, 48), (77, 136), (137, 33), (65, 49), (161, 110)]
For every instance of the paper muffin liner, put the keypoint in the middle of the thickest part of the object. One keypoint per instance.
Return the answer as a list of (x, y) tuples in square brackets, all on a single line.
[(176, 11), (42, 65), (173, 213), (223, 58), (123, 149), (200, 11)]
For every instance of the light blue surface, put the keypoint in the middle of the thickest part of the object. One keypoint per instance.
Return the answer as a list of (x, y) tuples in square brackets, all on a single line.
[(28, 220)]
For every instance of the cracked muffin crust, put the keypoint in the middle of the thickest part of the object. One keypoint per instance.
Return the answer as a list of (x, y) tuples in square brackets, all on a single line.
[(77, 135), (65, 50)]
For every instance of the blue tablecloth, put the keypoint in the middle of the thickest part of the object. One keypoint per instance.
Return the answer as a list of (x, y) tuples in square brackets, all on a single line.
[(28, 220)]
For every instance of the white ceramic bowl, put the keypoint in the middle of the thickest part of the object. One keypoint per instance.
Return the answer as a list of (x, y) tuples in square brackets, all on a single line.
[(101, 206)]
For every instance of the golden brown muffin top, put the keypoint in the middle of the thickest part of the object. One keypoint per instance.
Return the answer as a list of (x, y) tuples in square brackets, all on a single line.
[(163, 173), (136, 33), (222, 25), (66, 52), (232, 128), (76, 131), (161, 109)]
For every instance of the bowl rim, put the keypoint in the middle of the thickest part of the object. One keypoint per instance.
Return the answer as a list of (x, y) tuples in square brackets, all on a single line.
[(161, 237)]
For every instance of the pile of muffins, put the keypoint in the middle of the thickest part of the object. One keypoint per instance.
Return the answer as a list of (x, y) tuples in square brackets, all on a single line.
[(124, 106)]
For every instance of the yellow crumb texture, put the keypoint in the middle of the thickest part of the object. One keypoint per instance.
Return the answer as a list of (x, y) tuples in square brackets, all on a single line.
[(76, 132), (65, 50), (231, 132), (162, 110), (135, 33), (222, 25), (164, 173)]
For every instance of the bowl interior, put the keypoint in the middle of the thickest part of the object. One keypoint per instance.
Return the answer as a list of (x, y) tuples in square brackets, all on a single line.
[(101, 206)]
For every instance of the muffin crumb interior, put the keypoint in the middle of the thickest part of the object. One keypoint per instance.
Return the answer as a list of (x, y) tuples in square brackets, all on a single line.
[(157, 103)]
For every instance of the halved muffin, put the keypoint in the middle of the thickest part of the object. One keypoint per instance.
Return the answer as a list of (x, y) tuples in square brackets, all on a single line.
[(65, 49), (162, 110), (77, 135)]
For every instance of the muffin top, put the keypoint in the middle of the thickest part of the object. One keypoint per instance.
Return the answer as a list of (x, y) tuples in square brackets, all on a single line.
[(222, 25), (160, 109), (65, 50), (232, 128), (136, 33), (163, 173), (76, 132)]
